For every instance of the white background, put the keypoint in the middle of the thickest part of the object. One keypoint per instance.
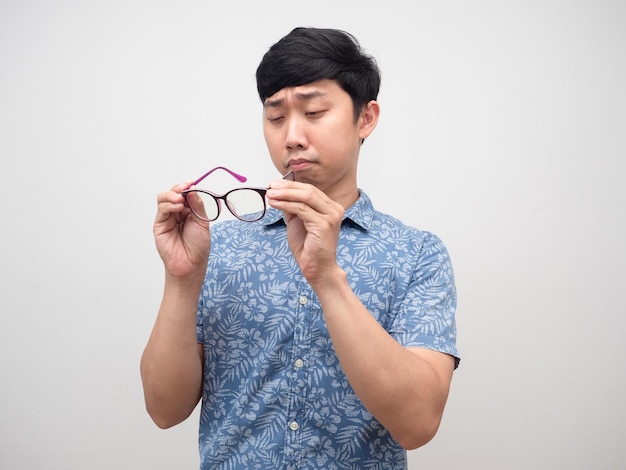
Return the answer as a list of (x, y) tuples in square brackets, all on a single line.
[(503, 130)]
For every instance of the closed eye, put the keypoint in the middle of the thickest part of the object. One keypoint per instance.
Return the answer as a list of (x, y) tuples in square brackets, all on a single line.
[(315, 114)]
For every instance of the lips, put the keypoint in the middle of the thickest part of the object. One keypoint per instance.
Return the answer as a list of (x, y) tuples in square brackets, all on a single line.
[(298, 164)]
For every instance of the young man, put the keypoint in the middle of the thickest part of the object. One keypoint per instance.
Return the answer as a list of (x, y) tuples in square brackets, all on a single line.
[(322, 335)]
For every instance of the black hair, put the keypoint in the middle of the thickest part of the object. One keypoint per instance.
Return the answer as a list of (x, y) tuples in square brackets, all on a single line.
[(306, 55)]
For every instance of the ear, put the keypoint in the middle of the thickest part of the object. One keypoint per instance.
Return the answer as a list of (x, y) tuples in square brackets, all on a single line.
[(368, 119)]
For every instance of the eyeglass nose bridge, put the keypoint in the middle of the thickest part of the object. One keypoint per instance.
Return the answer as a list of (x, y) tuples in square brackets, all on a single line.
[(231, 208), (218, 202), (230, 205)]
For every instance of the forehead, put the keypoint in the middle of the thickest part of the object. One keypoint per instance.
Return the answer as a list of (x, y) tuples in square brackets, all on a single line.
[(320, 90)]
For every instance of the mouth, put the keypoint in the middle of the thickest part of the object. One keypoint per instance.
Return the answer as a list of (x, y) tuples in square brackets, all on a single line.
[(298, 164)]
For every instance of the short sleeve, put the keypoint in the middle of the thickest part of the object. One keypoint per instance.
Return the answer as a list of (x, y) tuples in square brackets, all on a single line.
[(426, 316)]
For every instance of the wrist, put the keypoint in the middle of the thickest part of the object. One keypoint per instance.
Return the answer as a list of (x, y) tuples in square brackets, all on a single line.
[(184, 286), (331, 280)]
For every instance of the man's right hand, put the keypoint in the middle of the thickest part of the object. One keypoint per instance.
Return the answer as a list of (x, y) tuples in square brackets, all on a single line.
[(182, 240)]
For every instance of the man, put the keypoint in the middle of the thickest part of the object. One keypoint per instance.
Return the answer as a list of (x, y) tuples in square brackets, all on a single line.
[(322, 335)]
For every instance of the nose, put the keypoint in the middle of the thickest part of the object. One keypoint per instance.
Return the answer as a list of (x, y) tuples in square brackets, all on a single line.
[(295, 139)]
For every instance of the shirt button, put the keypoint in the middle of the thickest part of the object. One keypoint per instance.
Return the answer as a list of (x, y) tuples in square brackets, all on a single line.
[(303, 300), (294, 426), (299, 363)]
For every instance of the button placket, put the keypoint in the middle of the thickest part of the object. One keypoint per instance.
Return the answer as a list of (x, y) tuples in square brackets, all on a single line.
[(302, 339)]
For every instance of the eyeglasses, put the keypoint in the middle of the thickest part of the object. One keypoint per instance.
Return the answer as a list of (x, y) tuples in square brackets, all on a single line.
[(247, 204)]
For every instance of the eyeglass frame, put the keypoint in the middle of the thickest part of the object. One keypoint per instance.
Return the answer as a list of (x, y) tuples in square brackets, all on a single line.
[(223, 197)]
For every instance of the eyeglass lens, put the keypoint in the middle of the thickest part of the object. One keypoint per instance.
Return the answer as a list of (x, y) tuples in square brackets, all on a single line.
[(244, 203)]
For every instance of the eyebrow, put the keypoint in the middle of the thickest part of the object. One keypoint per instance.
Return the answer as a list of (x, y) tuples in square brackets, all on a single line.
[(304, 96)]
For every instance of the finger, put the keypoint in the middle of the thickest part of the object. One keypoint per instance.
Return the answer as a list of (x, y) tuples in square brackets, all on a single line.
[(280, 183), (169, 203), (302, 198), (169, 199), (177, 189)]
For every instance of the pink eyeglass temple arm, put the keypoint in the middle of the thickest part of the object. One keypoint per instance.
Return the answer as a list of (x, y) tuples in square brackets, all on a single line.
[(239, 177), (288, 176)]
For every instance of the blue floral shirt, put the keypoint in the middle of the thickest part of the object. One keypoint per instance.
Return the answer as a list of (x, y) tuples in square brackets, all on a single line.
[(274, 394)]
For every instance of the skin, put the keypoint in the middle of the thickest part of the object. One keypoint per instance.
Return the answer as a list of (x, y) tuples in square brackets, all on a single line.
[(310, 130)]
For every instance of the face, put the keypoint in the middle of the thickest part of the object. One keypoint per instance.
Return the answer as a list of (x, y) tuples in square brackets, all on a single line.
[(311, 130)]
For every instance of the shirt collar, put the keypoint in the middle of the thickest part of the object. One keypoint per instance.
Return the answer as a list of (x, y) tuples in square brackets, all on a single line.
[(361, 213)]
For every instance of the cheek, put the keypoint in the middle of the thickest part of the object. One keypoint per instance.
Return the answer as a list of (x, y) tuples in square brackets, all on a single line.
[(270, 138), (275, 150), (336, 138)]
